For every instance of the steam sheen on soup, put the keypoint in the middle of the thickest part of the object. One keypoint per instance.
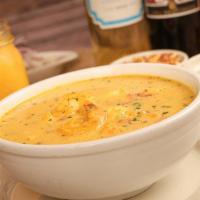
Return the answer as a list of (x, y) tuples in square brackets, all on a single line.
[(94, 109)]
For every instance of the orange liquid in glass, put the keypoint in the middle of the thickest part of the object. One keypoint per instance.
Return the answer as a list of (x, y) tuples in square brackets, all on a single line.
[(12, 70)]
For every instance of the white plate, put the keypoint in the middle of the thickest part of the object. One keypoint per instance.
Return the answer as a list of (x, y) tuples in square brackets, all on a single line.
[(182, 184)]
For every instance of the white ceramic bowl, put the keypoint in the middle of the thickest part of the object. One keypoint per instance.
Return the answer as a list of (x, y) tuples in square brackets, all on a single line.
[(109, 168), (129, 58)]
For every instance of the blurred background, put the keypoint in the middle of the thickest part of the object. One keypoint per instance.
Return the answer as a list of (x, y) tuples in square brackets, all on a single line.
[(50, 37), (48, 24)]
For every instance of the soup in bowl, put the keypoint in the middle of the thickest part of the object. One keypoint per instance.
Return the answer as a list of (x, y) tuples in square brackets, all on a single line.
[(100, 133), (94, 109)]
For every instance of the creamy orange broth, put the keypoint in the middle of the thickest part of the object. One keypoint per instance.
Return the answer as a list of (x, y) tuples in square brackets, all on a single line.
[(94, 109)]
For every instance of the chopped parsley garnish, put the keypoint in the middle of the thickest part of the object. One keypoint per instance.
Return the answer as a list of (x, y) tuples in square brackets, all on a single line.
[(164, 113), (166, 106), (137, 105)]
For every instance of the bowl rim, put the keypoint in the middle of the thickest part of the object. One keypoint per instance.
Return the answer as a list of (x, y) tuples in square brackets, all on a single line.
[(150, 52), (102, 145)]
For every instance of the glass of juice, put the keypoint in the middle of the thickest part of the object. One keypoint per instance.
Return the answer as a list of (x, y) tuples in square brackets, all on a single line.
[(12, 69)]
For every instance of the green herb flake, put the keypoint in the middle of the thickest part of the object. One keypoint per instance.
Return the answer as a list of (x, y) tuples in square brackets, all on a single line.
[(166, 106), (164, 113), (137, 105)]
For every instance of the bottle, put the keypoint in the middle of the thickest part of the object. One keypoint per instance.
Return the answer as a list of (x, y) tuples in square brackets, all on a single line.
[(117, 28), (12, 69), (174, 24)]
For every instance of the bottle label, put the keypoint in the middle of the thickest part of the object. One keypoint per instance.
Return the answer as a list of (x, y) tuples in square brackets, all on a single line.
[(164, 9), (115, 13)]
